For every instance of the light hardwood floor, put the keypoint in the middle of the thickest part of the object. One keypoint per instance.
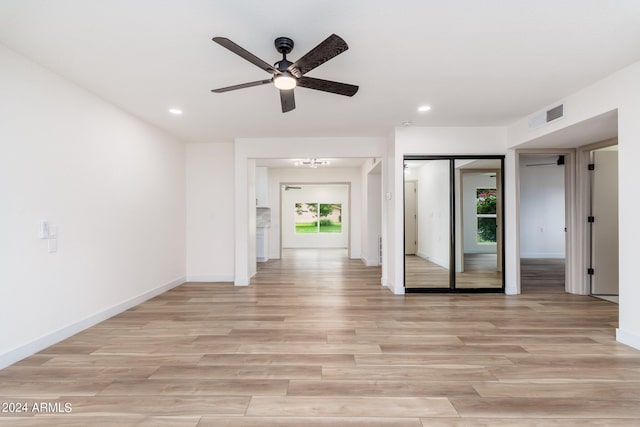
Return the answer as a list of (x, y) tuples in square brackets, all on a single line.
[(542, 275), (316, 341)]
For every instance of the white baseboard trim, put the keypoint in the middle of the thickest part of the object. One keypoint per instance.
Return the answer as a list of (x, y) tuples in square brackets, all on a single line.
[(628, 338), (370, 263), (241, 282), (227, 279), (432, 259), (511, 290), (393, 289), (398, 290), (54, 337)]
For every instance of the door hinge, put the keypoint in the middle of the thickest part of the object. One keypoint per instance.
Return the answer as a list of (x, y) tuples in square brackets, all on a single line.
[(590, 271), (591, 219), (592, 166)]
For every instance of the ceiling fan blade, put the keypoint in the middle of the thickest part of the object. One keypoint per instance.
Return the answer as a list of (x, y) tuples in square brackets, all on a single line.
[(288, 100), (329, 48), (225, 42), (241, 86), (328, 86)]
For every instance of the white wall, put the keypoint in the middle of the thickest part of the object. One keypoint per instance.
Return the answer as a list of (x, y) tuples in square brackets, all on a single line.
[(210, 218), (389, 224), (470, 183), (431, 141), (338, 193), (619, 91), (433, 212), (542, 208), (112, 184), (302, 175), (372, 212)]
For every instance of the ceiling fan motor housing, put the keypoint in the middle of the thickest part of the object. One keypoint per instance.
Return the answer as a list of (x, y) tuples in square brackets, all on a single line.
[(284, 45)]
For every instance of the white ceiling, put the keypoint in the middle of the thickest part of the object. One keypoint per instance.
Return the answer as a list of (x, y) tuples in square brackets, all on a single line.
[(475, 62)]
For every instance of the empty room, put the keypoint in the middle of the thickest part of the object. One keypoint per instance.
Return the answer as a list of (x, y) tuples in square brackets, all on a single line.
[(363, 213)]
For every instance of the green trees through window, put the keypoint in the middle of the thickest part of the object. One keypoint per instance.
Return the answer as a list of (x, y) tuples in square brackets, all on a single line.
[(486, 202), (318, 218)]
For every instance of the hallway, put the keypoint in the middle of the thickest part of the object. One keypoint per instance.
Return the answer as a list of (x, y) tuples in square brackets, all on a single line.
[(315, 340)]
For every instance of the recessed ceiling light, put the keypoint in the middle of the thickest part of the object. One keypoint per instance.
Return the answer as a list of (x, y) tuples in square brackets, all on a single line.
[(424, 108), (175, 111)]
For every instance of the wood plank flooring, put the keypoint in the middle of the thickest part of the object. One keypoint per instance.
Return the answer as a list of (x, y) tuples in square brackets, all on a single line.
[(542, 275), (316, 341)]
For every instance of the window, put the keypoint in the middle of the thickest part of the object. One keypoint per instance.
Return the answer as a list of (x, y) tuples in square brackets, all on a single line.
[(486, 200), (307, 214)]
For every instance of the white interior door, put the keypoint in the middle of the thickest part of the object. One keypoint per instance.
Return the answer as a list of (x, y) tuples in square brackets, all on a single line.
[(604, 229), (410, 217)]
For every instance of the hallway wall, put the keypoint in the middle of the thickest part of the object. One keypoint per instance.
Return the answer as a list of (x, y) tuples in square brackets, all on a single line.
[(210, 214), (542, 208)]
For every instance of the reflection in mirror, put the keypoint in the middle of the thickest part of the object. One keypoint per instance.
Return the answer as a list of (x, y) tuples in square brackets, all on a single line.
[(478, 216), (427, 224)]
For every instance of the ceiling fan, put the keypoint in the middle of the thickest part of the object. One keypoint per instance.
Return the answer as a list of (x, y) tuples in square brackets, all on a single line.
[(286, 75)]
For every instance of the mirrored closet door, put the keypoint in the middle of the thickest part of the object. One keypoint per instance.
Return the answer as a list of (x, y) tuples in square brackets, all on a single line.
[(453, 224)]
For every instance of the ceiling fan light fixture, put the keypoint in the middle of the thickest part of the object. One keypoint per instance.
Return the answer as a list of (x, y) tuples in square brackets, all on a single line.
[(286, 75), (285, 81)]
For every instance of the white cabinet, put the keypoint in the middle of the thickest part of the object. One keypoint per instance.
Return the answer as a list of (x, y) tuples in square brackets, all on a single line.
[(263, 214), (262, 186), (262, 236)]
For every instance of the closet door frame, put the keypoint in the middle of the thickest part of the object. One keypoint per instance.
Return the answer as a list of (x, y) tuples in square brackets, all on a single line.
[(452, 225)]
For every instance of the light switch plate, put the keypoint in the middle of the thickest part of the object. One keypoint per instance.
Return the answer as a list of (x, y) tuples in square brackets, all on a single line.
[(43, 230)]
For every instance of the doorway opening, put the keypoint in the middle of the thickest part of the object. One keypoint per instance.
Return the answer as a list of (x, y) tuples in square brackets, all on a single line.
[(453, 210), (331, 207), (543, 225)]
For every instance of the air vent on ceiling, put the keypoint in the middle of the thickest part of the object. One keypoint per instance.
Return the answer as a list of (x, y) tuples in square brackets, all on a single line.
[(555, 113), (545, 117)]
